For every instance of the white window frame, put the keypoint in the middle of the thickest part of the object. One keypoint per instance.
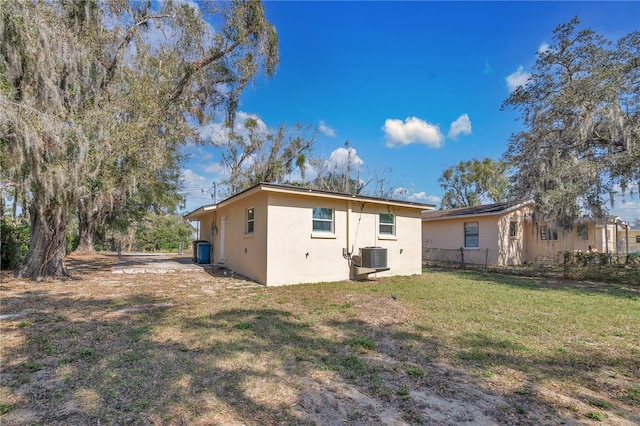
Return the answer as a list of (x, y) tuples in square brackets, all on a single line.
[(250, 220), (477, 235), (387, 225), (319, 220)]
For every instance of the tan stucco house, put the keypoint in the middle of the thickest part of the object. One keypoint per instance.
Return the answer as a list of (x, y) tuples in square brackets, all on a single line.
[(630, 238), (511, 234), (282, 234)]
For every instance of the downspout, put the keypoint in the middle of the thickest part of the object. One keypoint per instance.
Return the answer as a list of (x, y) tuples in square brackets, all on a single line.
[(347, 236), (214, 234)]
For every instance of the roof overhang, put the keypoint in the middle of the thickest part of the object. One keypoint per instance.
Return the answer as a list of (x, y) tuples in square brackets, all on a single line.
[(318, 193), (499, 213), (200, 211), (300, 191)]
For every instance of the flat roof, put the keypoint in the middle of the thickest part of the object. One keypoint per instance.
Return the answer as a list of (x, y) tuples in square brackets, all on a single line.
[(484, 210), (300, 190)]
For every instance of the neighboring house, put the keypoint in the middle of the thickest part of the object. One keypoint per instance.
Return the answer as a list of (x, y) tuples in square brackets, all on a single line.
[(630, 239), (500, 228), (281, 234), (511, 234)]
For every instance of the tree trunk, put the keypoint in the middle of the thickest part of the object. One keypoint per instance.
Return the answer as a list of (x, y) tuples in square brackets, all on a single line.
[(14, 206), (47, 245), (86, 230)]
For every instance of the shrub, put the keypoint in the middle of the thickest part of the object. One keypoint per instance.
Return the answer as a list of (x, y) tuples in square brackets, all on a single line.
[(14, 244)]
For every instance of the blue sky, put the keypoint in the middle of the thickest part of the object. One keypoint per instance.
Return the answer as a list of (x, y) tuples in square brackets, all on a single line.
[(415, 87)]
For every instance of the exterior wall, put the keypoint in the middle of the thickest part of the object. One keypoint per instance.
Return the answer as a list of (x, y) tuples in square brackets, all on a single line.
[(239, 251), (547, 251), (298, 255), (449, 234), (602, 237), (634, 240), (527, 245), (512, 249), (580, 243), (493, 234), (228, 223), (606, 237), (404, 254), (294, 256)]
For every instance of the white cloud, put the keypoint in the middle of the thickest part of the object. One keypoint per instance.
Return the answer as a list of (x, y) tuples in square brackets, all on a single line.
[(191, 179), (487, 68), (218, 133), (217, 171), (424, 198), (242, 117), (196, 190), (412, 130), (627, 207), (462, 125), (544, 47), (517, 79), (343, 157), (404, 193), (309, 174), (326, 130), (212, 132), (400, 192)]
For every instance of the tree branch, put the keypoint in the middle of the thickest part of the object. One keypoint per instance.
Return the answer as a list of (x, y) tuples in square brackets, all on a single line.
[(194, 67)]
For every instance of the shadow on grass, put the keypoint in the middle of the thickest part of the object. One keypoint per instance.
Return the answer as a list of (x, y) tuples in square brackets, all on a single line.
[(618, 383), (144, 360), (540, 283)]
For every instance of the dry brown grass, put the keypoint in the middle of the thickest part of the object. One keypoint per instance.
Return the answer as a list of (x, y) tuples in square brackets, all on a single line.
[(207, 349)]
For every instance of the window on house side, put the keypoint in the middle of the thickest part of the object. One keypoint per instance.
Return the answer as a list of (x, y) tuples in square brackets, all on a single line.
[(513, 229), (583, 231), (250, 221), (547, 233), (387, 224), (322, 219), (471, 234), (637, 238)]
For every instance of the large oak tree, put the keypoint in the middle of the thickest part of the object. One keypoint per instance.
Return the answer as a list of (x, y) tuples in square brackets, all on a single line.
[(474, 182), (96, 97), (580, 109)]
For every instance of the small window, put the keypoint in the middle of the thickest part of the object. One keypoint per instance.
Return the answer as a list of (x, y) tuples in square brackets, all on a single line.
[(471, 234), (583, 231), (387, 225), (513, 229), (322, 220), (547, 233), (637, 238), (250, 221)]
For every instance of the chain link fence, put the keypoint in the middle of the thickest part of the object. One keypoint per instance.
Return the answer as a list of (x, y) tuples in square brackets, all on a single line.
[(604, 267), (455, 258), (609, 267)]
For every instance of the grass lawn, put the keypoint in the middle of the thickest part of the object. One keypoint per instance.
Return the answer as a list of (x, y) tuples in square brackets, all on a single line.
[(440, 348)]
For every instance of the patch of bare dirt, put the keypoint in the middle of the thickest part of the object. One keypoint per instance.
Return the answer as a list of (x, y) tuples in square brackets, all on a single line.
[(75, 352)]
